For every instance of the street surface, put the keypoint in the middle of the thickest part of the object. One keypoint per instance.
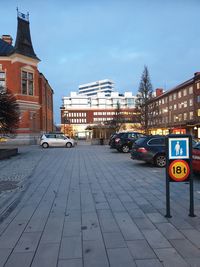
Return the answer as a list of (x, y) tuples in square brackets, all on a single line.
[(94, 207)]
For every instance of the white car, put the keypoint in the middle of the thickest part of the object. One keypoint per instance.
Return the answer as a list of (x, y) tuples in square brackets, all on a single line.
[(56, 139)]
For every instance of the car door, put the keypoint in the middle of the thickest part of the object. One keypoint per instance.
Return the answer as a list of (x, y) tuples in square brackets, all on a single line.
[(60, 140), (51, 139)]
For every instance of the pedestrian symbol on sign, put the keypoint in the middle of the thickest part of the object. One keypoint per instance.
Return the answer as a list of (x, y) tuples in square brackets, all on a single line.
[(178, 148)]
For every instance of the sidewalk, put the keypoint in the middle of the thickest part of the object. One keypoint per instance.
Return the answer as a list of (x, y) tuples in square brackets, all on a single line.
[(94, 207)]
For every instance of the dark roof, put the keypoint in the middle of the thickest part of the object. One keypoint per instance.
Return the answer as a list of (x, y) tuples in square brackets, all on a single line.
[(23, 44), (5, 48)]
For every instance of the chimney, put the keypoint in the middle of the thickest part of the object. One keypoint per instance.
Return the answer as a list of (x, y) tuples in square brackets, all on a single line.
[(196, 73), (159, 91), (7, 38)]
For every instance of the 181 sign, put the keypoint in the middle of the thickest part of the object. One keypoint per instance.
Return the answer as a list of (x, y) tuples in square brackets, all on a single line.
[(178, 166)]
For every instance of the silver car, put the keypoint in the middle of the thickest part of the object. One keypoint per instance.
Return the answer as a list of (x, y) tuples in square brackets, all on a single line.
[(55, 140)]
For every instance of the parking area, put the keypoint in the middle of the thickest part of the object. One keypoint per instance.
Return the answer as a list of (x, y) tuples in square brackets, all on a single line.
[(92, 206)]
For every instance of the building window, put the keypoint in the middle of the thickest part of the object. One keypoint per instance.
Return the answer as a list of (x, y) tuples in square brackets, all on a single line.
[(185, 116), (191, 115), (184, 92), (198, 98), (174, 96), (190, 90), (2, 79), (185, 104), (27, 83), (179, 94), (198, 85), (198, 112), (191, 102), (175, 106), (170, 98)]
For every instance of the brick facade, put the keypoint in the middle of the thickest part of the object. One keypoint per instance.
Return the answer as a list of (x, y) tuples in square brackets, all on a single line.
[(31, 89)]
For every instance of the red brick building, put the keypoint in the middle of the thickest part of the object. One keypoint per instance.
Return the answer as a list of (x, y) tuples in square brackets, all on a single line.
[(19, 73)]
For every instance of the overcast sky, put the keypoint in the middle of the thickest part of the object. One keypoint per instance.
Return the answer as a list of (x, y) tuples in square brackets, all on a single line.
[(81, 41)]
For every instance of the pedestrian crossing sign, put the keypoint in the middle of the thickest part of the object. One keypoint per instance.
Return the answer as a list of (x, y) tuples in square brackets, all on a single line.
[(179, 148)]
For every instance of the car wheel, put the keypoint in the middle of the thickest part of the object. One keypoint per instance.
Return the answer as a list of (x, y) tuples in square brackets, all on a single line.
[(45, 145), (160, 160), (68, 145), (125, 149)]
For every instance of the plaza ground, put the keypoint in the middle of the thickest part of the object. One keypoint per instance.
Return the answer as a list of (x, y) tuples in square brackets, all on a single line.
[(94, 207)]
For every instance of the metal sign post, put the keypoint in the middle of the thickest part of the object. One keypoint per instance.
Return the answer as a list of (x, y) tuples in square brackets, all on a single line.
[(178, 166)]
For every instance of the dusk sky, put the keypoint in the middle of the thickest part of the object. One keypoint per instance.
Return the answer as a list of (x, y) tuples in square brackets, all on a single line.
[(81, 41)]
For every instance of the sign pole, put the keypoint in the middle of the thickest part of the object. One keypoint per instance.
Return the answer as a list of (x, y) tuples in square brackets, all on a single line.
[(168, 215), (191, 211)]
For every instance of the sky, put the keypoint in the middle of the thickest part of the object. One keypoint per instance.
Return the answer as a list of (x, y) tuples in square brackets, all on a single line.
[(81, 41)]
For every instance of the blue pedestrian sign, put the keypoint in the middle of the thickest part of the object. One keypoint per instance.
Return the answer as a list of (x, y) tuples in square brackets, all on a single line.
[(179, 148)]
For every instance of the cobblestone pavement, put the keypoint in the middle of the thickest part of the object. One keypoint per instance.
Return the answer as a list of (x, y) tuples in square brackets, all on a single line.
[(94, 207)]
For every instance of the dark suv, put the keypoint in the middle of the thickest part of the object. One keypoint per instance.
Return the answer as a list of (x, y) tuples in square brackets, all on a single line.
[(150, 149), (113, 138), (124, 142)]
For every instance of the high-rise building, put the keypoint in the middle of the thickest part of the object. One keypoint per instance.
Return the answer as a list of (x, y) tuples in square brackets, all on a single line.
[(102, 86)]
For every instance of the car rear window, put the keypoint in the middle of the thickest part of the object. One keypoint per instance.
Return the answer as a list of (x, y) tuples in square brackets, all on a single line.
[(156, 141), (140, 141)]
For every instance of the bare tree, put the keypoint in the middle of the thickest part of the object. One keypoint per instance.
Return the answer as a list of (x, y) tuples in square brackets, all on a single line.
[(144, 95), (9, 112), (118, 118)]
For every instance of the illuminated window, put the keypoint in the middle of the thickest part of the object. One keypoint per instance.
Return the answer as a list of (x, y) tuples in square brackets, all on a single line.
[(190, 90)]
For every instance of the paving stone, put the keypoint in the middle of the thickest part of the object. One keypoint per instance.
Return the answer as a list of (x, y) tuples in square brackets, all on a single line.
[(149, 263), (186, 248), (107, 221), (156, 217), (156, 239), (20, 259), (72, 228), (116, 205), (90, 226), (71, 247), (102, 206), (120, 257), (13, 232), (28, 242), (114, 240), (169, 231), (94, 254), (144, 224), (46, 255), (137, 213), (70, 263), (128, 228), (169, 257), (73, 215), (192, 235), (193, 262), (140, 249), (53, 230), (4, 254)]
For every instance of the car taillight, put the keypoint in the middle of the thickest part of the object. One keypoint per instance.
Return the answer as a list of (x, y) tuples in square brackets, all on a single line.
[(142, 150), (117, 140)]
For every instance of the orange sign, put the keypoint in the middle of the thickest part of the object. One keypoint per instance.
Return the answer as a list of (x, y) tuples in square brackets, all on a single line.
[(179, 170)]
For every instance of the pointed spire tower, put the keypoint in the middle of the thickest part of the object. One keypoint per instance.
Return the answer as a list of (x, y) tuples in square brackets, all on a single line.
[(23, 44)]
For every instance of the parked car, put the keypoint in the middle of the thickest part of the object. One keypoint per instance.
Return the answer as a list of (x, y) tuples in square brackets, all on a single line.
[(56, 139), (196, 158), (114, 139), (150, 149), (124, 142)]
